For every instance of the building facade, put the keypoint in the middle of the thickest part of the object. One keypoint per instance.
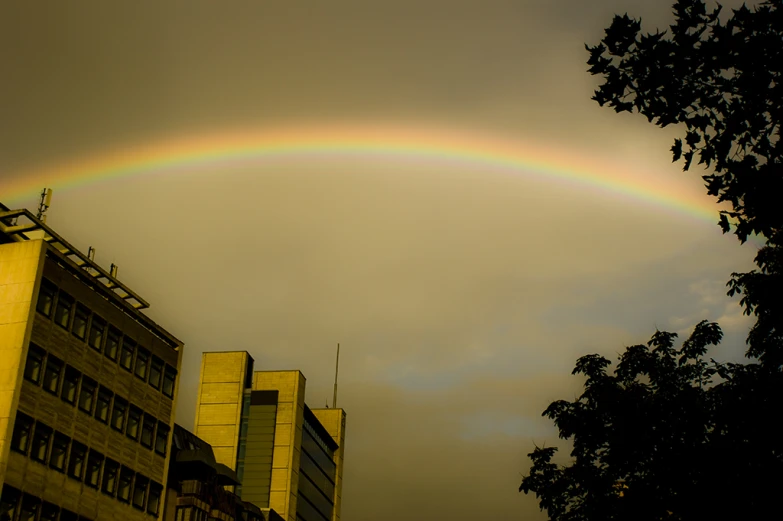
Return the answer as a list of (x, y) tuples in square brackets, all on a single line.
[(288, 457), (88, 385)]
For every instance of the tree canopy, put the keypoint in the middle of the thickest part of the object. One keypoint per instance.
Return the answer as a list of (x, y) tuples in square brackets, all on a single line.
[(669, 434)]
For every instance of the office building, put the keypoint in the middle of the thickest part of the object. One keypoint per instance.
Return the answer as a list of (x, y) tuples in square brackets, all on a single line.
[(88, 385), (288, 457)]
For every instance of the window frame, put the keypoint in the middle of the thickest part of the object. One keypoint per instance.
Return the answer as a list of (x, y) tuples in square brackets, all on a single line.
[(157, 365), (77, 456), (167, 430), (41, 430), (127, 352), (140, 481), (36, 353), (171, 372), (120, 404), (136, 415), (52, 360), (47, 288), (104, 392), (70, 371), (148, 421), (144, 354), (80, 310), (59, 437), (111, 471), (111, 349), (124, 473), (97, 323), (87, 382), (22, 421), (93, 457), (62, 296)]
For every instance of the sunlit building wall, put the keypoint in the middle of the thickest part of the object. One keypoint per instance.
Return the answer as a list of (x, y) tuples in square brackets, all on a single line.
[(88, 385)]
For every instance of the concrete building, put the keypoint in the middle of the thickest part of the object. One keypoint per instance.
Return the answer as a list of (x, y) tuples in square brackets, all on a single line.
[(88, 385), (288, 457)]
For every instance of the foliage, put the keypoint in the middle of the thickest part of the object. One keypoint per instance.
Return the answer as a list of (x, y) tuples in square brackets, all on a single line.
[(722, 81), (667, 434), (658, 439)]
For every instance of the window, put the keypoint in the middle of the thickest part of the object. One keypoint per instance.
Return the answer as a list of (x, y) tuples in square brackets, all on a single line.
[(97, 332), (30, 507), (124, 486), (41, 437), (140, 491), (134, 421), (80, 319), (67, 515), (103, 404), (156, 371), (161, 438), (126, 355), (62, 313), (153, 502), (76, 461), (147, 430), (87, 394), (52, 374), (46, 298), (112, 343), (118, 413), (169, 376), (49, 512), (9, 502), (34, 364), (59, 451), (142, 362), (94, 463), (110, 470), (23, 428), (70, 384)]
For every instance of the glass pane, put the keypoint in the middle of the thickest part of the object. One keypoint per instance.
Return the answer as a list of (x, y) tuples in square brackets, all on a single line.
[(23, 427), (156, 371), (59, 451), (70, 384), (148, 431), (80, 319), (46, 298), (62, 313), (118, 413), (142, 360), (34, 364), (103, 404), (169, 378), (161, 439), (97, 332), (126, 355), (51, 379), (110, 470), (94, 463), (112, 343), (41, 437), (134, 421), (87, 395), (76, 460)]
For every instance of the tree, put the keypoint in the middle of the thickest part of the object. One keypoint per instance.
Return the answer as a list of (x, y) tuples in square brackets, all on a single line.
[(723, 83), (669, 435), (657, 439)]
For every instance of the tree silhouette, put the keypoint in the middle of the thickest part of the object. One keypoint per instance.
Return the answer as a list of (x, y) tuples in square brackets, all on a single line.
[(669, 435)]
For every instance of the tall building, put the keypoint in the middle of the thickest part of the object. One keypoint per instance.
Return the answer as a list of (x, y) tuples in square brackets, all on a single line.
[(88, 385), (288, 457)]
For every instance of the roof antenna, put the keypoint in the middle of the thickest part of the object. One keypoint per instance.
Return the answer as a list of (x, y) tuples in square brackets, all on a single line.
[(46, 201), (336, 367)]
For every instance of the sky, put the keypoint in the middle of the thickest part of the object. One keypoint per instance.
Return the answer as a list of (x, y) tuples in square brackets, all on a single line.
[(461, 292)]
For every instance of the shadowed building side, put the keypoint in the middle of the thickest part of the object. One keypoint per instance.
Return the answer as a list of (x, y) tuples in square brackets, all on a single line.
[(333, 420)]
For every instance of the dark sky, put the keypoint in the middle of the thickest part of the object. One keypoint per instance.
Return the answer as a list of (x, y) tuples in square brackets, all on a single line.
[(461, 298)]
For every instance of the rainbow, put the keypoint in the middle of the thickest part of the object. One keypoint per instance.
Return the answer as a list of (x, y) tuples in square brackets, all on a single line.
[(383, 143)]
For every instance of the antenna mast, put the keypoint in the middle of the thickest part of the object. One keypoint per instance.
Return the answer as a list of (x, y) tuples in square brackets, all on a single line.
[(336, 368), (46, 201)]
